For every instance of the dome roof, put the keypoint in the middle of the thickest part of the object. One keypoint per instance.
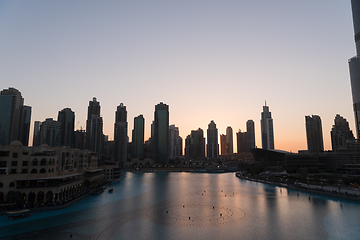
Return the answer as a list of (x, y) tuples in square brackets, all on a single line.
[(16, 143)]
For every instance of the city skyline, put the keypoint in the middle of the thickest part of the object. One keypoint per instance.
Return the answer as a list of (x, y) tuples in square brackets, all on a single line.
[(163, 52)]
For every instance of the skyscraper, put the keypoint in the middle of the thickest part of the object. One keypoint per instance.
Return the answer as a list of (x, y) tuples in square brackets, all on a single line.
[(138, 137), (14, 117), (223, 145), (94, 128), (161, 133), (212, 146), (267, 129), (175, 142), (120, 135), (67, 119), (241, 141), (354, 65), (36, 134), (229, 140), (314, 134), (340, 133), (50, 132), (196, 144), (250, 135)]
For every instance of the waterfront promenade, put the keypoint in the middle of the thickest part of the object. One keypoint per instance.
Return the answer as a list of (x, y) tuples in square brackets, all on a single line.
[(347, 193)]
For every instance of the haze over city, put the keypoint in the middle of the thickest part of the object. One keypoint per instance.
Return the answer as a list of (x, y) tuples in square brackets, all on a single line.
[(207, 60)]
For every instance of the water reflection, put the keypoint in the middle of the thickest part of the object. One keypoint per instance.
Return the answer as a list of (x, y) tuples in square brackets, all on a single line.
[(190, 205)]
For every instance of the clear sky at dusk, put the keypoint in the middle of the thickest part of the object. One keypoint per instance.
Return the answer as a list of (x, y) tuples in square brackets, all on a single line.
[(208, 60)]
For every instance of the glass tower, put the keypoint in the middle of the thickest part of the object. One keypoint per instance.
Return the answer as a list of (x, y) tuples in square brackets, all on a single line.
[(354, 65), (161, 133)]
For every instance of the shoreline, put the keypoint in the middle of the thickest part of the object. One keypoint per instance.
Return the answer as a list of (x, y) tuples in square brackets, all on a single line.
[(319, 191)]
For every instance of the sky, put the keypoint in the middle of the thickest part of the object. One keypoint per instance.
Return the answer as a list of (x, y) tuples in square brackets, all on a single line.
[(208, 60)]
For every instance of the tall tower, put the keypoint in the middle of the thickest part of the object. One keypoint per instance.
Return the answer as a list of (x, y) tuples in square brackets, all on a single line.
[(223, 145), (241, 141), (314, 134), (50, 132), (267, 129), (14, 117), (354, 65), (229, 140), (250, 135), (67, 119), (175, 142), (212, 146), (161, 133), (138, 137), (120, 135), (340, 133), (94, 128)]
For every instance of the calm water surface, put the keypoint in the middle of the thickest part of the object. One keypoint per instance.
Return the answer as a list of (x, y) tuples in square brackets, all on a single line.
[(193, 206)]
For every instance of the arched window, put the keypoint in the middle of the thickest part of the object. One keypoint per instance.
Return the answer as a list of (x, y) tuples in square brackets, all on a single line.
[(34, 170), (42, 170), (12, 184), (1, 185), (43, 162), (35, 162)]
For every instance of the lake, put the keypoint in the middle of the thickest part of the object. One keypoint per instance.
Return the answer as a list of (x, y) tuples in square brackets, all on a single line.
[(171, 205)]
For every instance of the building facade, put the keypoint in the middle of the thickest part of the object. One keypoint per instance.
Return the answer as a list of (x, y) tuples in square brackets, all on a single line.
[(50, 133), (314, 134)]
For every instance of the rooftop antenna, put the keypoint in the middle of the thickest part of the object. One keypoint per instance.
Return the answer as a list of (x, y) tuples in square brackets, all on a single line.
[(265, 103)]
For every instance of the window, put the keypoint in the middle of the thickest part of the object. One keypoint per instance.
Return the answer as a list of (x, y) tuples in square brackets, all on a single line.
[(43, 162), (2, 163), (13, 163), (35, 161), (25, 153), (42, 170), (24, 170), (25, 163), (15, 155), (4, 153), (12, 184), (34, 170), (13, 171)]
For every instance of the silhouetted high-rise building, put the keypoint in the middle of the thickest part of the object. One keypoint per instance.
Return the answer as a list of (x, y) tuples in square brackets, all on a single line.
[(223, 145), (175, 142), (354, 65), (14, 117), (195, 145), (94, 128), (250, 135), (79, 139), (161, 133), (120, 135), (314, 134), (340, 133), (267, 129), (212, 146), (67, 119), (229, 140), (36, 134), (25, 125), (50, 132), (138, 137), (241, 141)]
